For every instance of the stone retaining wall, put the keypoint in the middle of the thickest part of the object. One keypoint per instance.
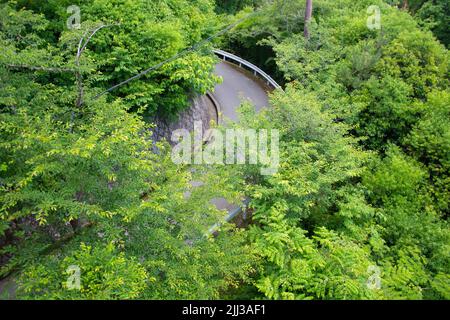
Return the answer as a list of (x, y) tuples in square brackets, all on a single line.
[(202, 109)]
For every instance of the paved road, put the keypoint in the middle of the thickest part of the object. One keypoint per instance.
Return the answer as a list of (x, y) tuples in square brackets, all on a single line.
[(238, 85)]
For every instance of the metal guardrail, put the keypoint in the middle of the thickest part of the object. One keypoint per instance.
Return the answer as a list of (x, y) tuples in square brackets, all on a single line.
[(230, 216), (256, 71)]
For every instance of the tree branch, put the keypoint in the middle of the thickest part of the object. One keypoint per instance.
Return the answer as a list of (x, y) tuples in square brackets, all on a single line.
[(80, 50), (308, 16), (40, 68)]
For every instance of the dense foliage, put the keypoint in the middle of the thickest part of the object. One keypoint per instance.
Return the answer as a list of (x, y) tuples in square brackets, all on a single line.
[(357, 210), (90, 174), (137, 36), (341, 209)]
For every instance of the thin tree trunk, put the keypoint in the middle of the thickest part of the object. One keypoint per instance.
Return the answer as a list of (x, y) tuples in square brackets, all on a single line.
[(405, 5), (308, 15)]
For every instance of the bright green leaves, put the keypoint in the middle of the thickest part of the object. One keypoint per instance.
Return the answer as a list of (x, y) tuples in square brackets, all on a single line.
[(302, 258), (386, 113), (139, 35), (328, 225), (103, 273), (417, 236), (441, 284), (325, 267), (386, 88), (398, 176), (405, 275), (429, 141), (147, 35), (81, 171), (314, 154), (418, 59)]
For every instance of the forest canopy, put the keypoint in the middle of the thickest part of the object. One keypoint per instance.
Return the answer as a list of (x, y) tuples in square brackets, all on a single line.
[(360, 204)]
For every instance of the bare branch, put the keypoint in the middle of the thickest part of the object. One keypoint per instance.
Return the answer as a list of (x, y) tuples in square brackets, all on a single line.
[(92, 34), (79, 45), (80, 50)]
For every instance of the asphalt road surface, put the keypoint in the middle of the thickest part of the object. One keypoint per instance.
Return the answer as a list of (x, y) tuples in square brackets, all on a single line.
[(238, 85)]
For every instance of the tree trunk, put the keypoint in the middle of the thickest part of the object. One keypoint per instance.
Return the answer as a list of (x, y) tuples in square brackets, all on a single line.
[(405, 5), (308, 15)]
